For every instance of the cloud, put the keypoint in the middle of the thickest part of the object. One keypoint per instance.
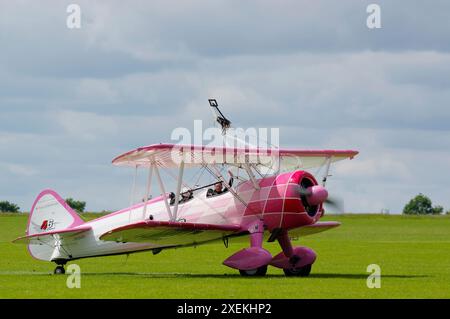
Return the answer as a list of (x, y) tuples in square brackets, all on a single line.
[(116, 39), (18, 170), (85, 126), (71, 100)]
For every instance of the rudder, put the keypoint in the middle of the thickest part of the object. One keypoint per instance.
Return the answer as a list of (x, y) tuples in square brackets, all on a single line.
[(49, 213)]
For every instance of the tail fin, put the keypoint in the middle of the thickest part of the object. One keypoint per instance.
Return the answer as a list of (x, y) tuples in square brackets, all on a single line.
[(51, 213)]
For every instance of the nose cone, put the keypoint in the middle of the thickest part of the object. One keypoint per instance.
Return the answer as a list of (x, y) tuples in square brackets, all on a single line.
[(318, 195)]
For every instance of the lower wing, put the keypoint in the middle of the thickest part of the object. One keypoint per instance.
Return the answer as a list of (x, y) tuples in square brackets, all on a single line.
[(169, 233), (312, 229)]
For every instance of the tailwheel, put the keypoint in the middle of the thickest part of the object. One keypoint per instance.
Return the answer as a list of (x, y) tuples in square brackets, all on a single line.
[(258, 272), (59, 270), (301, 271)]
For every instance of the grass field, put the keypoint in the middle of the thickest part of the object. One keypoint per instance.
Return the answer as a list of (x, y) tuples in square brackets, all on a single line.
[(413, 253)]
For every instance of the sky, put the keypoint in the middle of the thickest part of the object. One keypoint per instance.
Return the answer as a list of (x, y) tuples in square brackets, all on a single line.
[(71, 99)]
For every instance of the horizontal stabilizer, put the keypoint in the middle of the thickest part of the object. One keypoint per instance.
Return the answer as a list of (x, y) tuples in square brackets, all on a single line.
[(50, 237)]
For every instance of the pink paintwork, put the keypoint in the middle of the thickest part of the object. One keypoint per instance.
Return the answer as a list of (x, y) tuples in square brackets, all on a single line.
[(306, 255), (273, 202), (249, 258), (224, 150), (276, 204), (76, 219), (275, 207), (318, 195), (168, 155), (176, 225)]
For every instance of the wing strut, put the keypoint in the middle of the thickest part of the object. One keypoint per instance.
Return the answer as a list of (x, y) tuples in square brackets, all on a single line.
[(214, 171), (149, 185), (133, 191), (327, 170), (161, 186), (177, 194)]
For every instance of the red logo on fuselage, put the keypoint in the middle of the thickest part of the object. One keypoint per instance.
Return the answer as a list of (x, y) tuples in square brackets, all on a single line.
[(47, 224), (44, 225)]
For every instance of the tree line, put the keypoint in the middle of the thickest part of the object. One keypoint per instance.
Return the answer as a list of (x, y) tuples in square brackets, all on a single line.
[(8, 207)]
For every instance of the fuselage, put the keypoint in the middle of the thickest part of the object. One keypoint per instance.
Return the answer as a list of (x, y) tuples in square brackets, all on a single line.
[(277, 202)]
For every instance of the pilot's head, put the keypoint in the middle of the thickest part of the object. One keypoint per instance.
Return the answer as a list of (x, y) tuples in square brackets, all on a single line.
[(218, 187), (186, 193)]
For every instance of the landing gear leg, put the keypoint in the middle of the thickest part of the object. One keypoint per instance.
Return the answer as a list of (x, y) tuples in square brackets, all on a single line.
[(288, 250), (256, 241)]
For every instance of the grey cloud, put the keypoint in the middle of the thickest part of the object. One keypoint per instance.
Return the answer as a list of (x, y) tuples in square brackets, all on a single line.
[(116, 39), (71, 100)]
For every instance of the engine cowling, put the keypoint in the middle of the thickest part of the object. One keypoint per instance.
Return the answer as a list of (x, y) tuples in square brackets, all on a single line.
[(295, 200), (312, 195)]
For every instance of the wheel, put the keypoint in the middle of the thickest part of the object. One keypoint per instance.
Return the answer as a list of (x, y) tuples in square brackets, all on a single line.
[(301, 271), (59, 270), (258, 272)]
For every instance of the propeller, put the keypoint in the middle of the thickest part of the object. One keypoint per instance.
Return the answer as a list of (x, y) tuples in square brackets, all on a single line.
[(305, 191), (317, 194)]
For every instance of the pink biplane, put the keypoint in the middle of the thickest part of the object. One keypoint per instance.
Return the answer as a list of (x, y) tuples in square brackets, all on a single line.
[(276, 206)]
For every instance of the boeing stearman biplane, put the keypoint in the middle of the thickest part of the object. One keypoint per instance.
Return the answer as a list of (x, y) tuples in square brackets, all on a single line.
[(263, 204)]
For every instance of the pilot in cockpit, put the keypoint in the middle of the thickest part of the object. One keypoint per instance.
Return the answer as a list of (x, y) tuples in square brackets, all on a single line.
[(218, 189), (186, 195)]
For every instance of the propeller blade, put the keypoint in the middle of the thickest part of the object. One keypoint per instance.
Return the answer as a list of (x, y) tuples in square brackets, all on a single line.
[(305, 191), (336, 204)]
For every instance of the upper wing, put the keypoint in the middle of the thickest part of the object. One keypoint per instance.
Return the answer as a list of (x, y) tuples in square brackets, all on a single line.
[(313, 229), (291, 160), (169, 233), (50, 237), (170, 156)]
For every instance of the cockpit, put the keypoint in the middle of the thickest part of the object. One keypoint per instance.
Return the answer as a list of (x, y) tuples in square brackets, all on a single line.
[(214, 189)]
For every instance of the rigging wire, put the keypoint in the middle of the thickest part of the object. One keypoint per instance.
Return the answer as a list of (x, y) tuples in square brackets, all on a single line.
[(203, 200), (232, 192)]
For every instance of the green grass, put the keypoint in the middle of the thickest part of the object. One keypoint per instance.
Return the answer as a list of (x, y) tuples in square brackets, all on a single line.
[(413, 253)]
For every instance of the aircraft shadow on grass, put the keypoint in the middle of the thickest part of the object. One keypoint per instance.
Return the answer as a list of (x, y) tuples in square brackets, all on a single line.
[(217, 276), (237, 276)]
